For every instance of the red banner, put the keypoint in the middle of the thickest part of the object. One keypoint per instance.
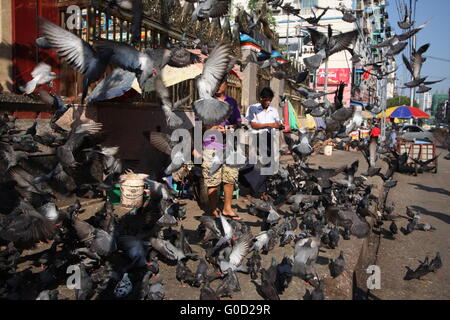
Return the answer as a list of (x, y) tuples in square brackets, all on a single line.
[(335, 76)]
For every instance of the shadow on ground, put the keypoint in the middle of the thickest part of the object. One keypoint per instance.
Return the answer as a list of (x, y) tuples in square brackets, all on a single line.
[(438, 215), (430, 189)]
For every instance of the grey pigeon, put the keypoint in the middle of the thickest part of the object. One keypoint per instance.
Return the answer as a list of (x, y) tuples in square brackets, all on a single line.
[(213, 111), (86, 286), (337, 266), (415, 66), (173, 121), (42, 43), (305, 255), (144, 64), (167, 249), (267, 288), (230, 284), (76, 137), (115, 84), (77, 52), (239, 250), (136, 7), (210, 9), (156, 291), (207, 293), (435, 263), (48, 295), (103, 243), (406, 23), (50, 211), (136, 251), (331, 43)]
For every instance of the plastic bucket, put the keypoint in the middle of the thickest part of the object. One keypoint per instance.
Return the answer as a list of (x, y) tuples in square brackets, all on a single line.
[(328, 151), (114, 194), (354, 135), (132, 190), (365, 134)]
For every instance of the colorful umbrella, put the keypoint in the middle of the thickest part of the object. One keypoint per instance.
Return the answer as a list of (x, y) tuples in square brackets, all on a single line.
[(404, 112)]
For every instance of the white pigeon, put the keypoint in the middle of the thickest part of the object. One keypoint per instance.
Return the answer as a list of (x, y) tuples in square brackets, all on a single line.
[(237, 254), (356, 121), (41, 74), (123, 287)]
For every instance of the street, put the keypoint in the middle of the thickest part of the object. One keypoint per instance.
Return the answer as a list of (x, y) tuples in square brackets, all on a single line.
[(430, 194)]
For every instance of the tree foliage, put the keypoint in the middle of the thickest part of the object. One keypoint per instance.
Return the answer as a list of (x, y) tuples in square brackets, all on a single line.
[(400, 101), (253, 4)]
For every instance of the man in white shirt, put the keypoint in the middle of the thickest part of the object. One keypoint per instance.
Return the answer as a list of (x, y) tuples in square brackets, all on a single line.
[(263, 118)]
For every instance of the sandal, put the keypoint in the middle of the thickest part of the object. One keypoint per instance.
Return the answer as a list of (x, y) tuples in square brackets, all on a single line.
[(236, 217)]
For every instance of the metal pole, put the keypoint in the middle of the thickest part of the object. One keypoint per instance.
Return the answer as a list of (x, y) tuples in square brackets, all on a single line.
[(383, 106), (287, 38), (315, 80), (325, 86), (413, 91), (413, 48)]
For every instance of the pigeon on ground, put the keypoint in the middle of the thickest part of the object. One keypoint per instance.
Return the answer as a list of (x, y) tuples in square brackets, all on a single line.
[(305, 255), (267, 288), (337, 266), (230, 285), (435, 263), (207, 293), (316, 294)]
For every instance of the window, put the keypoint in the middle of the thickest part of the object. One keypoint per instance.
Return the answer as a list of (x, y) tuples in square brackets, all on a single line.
[(412, 129), (308, 4)]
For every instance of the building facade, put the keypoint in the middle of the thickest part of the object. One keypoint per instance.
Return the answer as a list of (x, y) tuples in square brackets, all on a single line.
[(426, 101), (294, 42)]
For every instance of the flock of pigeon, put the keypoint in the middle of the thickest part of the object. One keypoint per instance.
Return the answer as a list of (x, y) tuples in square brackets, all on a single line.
[(119, 257)]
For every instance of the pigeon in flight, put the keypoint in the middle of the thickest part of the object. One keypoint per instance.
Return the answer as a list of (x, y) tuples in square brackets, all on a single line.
[(41, 74), (76, 52), (136, 7), (144, 64), (210, 9), (173, 121), (210, 110), (348, 14), (315, 20), (76, 137), (115, 84), (414, 66), (325, 46), (406, 23)]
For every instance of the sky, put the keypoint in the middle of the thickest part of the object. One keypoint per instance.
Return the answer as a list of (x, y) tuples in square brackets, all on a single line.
[(437, 33)]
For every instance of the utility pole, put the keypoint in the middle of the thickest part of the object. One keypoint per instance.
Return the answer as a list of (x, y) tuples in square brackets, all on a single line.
[(325, 85), (287, 37), (413, 91), (299, 34)]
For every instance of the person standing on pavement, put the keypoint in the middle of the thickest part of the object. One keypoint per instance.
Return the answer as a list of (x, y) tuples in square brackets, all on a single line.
[(226, 174), (263, 119)]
